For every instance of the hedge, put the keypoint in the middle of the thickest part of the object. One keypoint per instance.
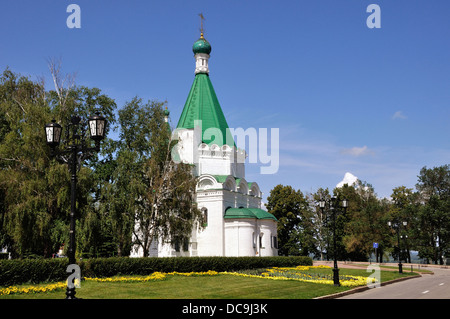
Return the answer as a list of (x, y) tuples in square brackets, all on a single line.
[(13, 272)]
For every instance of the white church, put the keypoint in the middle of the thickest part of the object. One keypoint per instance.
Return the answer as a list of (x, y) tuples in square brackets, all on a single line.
[(235, 223)]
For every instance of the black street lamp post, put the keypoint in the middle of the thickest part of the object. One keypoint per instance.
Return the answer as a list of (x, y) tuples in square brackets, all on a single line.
[(396, 226), (334, 204), (405, 247), (75, 152)]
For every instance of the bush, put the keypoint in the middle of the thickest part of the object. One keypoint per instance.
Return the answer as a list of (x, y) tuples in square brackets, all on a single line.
[(13, 272), (107, 267)]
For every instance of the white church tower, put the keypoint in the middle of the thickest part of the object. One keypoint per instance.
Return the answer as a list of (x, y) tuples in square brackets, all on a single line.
[(234, 223)]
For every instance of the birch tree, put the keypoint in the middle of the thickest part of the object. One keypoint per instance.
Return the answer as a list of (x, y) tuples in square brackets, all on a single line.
[(150, 196)]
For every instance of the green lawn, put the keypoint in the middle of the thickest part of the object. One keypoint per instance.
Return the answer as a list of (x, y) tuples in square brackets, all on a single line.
[(206, 287)]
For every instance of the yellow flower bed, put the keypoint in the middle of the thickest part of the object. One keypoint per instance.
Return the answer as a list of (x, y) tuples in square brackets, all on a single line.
[(295, 273), (193, 273), (32, 289), (153, 277), (156, 276)]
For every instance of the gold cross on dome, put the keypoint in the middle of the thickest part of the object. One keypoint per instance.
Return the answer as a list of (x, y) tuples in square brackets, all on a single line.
[(201, 24)]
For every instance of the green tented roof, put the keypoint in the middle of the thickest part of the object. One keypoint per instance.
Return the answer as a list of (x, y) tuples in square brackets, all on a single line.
[(202, 104), (256, 213)]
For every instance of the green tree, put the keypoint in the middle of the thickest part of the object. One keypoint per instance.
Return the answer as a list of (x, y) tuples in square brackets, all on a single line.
[(34, 187), (149, 195), (434, 215), (364, 220), (295, 232), (30, 205), (404, 208)]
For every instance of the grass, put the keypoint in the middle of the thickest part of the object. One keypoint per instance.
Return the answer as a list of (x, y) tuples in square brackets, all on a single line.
[(206, 287), (178, 287)]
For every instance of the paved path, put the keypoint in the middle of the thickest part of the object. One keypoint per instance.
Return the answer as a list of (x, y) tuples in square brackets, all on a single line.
[(435, 286)]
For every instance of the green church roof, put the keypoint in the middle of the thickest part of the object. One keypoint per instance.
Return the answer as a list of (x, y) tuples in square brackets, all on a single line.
[(232, 213), (202, 104), (258, 213), (262, 214)]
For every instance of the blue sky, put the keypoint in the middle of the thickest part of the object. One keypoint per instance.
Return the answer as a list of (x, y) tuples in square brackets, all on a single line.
[(346, 98)]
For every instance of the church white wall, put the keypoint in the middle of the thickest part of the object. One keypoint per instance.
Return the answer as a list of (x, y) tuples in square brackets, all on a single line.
[(188, 140), (216, 165), (223, 160), (239, 234), (250, 237), (210, 240), (224, 237), (209, 159), (269, 229)]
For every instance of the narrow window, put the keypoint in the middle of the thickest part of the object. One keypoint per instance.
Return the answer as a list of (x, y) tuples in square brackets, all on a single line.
[(204, 211), (186, 244), (274, 242)]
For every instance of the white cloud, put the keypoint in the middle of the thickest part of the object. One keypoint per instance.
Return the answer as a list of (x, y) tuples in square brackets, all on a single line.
[(311, 159), (357, 151), (349, 179), (399, 115)]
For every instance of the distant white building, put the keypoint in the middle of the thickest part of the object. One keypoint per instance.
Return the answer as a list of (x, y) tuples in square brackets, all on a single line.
[(236, 225), (4, 250)]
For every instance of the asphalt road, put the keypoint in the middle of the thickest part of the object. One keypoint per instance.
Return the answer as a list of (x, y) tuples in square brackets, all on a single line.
[(435, 286)]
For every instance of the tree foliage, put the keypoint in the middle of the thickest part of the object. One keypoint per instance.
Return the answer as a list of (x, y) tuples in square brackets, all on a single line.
[(433, 218), (130, 185), (35, 187), (149, 195), (290, 207), (305, 229)]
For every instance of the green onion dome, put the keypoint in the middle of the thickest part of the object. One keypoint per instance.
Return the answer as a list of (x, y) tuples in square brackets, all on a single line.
[(166, 112), (201, 46)]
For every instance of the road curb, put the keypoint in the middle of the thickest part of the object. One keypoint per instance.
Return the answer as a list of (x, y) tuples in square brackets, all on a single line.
[(363, 288)]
